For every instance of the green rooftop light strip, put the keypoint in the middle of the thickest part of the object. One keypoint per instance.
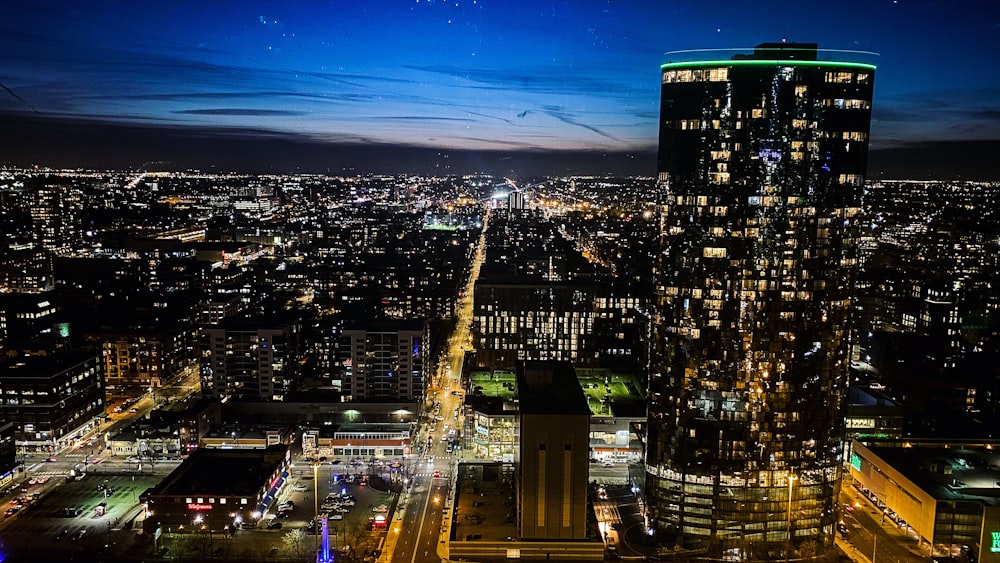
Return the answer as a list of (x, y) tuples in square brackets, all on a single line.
[(766, 62)]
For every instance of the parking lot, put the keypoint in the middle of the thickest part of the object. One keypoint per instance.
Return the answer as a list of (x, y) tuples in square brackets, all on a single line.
[(93, 516)]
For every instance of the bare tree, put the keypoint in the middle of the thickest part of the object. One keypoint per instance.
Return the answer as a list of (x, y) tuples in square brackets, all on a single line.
[(295, 541), (354, 536)]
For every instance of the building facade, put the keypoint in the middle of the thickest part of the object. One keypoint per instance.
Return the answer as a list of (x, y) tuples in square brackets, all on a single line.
[(384, 361), (52, 400), (249, 359), (138, 359), (761, 169), (555, 424)]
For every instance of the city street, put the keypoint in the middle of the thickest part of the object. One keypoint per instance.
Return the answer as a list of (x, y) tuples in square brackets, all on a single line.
[(419, 533)]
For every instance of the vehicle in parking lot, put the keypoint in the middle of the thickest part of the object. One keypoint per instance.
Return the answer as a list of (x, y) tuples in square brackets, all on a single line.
[(79, 534), (62, 534), (336, 516)]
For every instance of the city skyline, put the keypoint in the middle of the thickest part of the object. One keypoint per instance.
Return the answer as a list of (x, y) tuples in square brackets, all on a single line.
[(479, 81)]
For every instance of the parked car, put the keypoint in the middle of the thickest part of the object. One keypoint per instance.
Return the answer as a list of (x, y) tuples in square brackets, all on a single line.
[(62, 534), (274, 525), (79, 534)]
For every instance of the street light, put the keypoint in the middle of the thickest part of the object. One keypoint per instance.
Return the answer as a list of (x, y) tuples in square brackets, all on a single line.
[(788, 550), (315, 468)]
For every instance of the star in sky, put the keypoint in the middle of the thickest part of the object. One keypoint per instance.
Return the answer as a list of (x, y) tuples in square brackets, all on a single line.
[(470, 74)]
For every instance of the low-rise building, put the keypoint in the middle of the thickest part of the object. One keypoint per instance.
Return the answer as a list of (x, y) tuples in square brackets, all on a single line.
[(215, 490), (946, 495)]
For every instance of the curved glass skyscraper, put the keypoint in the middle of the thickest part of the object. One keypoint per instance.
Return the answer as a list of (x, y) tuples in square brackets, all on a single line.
[(761, 168)]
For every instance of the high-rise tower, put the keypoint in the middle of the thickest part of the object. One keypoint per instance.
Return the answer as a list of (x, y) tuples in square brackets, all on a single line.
[(761, 167)]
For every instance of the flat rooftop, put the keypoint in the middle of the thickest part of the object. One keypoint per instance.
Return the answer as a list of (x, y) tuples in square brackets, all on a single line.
[(485, 506), (223, 472), (949, 473), (608, 393)]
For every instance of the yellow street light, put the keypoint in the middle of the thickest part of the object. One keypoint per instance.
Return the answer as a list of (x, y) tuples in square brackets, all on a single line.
[(315, 468)]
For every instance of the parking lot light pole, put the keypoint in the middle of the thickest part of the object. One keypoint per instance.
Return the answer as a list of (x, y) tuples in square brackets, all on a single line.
[(315, 468)]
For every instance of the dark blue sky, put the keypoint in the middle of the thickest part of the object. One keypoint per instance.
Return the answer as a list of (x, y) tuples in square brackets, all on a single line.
[(471, 74)]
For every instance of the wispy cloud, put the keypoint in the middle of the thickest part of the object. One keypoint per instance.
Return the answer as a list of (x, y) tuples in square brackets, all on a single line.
[(249, 112), (565, 117)]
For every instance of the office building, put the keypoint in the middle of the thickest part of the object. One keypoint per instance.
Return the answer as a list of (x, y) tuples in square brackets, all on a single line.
[(554, 444), (52, 399), (941, 494), (761, 168)]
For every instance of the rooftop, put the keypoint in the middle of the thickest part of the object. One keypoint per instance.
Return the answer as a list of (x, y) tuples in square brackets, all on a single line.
[(769, 54), (223, 472), (949, 473)]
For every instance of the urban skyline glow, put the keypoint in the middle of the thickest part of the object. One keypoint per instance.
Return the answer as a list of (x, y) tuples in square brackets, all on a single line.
[(469, 75)]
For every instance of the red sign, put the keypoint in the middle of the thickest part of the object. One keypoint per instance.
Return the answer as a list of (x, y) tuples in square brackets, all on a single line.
[(199, 506)]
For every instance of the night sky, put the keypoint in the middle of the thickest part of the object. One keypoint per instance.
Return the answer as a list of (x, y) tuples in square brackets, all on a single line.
[(470, 77)]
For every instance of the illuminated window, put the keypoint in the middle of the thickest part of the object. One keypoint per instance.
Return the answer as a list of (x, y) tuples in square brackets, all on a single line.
[(841, 103), (852, 179), (839, 77)]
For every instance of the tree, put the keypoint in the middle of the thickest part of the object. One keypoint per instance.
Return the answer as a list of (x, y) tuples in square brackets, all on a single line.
[(296, 542)]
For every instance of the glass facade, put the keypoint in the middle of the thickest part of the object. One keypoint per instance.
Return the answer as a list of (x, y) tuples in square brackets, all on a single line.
[(761, 170)]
